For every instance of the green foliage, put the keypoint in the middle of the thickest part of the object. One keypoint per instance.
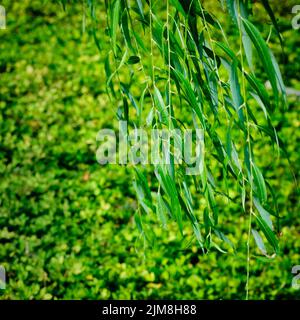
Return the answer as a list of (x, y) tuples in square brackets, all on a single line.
[(66, 224), (178, 55)]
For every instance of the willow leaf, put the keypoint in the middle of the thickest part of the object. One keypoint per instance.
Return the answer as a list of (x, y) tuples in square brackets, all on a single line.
[(133, 60), (270, 12), (265, 215), (260, 90), (259, 242), (259, 182), (236, 91), (140, 8), (161, 106), (162, 210), (169, 186), (114, 24), (269, 234), (264, 54), (125, 30)]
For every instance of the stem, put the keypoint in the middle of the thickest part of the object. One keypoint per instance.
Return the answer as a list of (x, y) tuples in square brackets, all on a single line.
[(248, 140), (151, 44), (169, 67)]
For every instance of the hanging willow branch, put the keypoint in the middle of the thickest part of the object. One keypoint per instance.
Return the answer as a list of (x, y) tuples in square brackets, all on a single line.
[(171, 65)]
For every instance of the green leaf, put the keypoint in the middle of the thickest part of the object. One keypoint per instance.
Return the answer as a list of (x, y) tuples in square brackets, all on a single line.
[(245, 37), (261, 91), (141, 179), (133, 60), (161, 106), (140, 8), (263, 213), (169, 186), (222, 236), (122, 62), (96, 39), (108, 74), (138, 222), (125, 106), (259, 242), (273, 19), (260, 103), (232, 10), (269, 234), (205, 15), (125, 30), (178, 6), (114, 25), (126, 91), (145, 203), (279, 78), (264, 53), (236, 92), (259, 182), (162, 210)]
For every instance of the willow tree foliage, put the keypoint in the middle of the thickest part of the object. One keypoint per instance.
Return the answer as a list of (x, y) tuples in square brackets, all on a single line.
[(173, 65)]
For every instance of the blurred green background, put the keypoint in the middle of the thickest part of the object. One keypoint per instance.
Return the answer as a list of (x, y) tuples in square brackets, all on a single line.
[(66, 223)]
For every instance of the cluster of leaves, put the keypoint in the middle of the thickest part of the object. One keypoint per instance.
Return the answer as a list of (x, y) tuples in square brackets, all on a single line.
[(190, 66)]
